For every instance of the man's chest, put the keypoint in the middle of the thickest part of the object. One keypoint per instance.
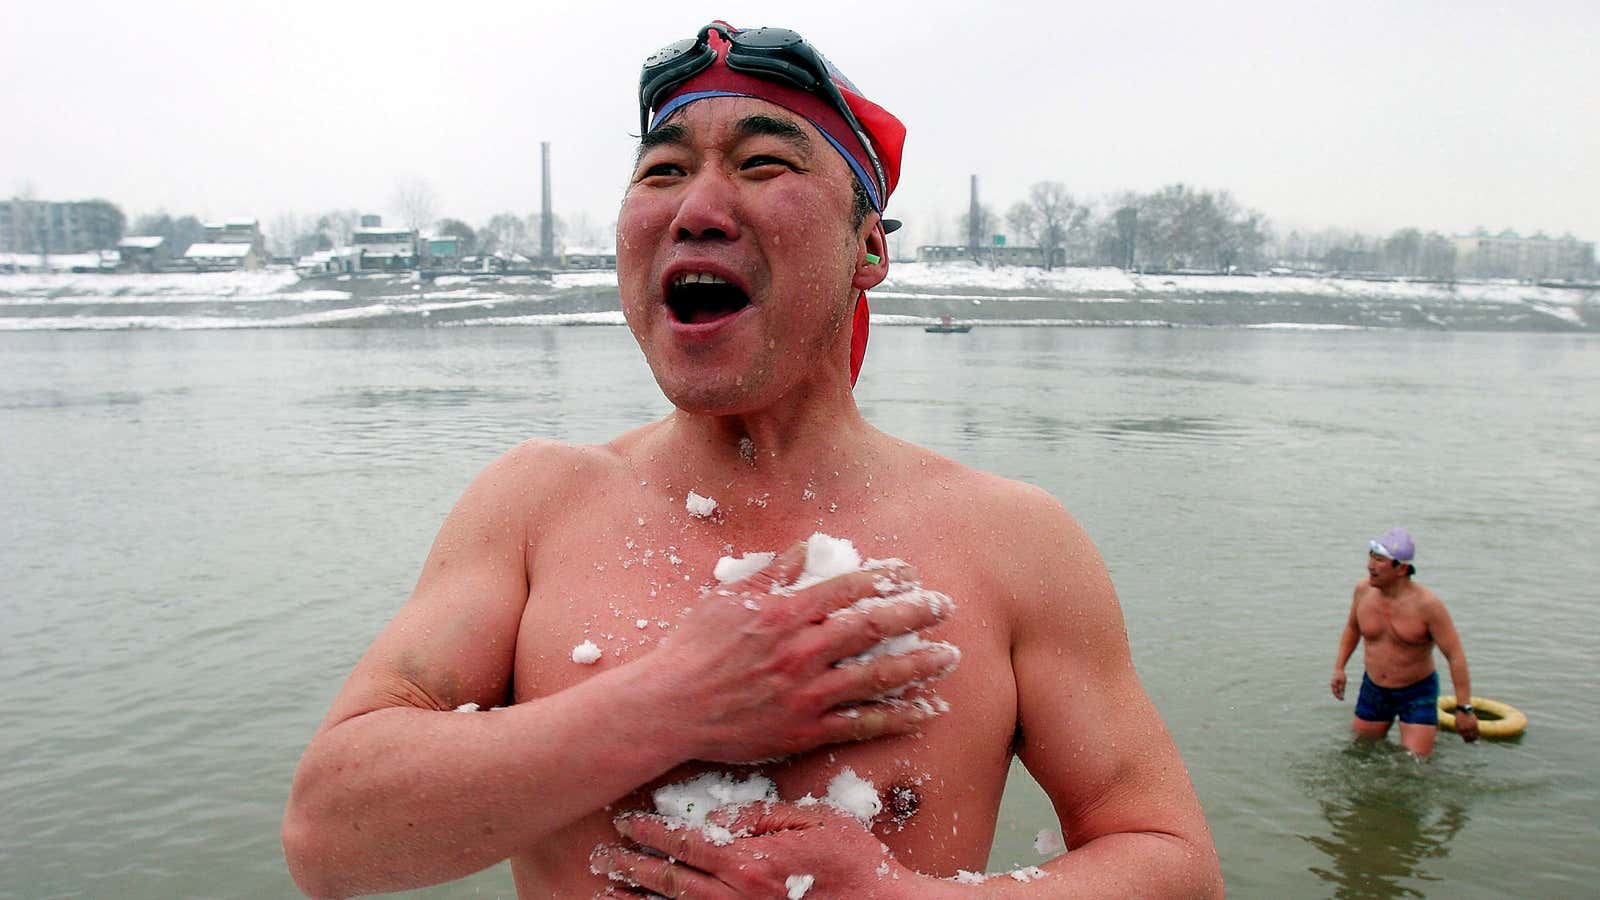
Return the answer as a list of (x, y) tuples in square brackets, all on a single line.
[(611, 580), (1396, 620), (610, 599)]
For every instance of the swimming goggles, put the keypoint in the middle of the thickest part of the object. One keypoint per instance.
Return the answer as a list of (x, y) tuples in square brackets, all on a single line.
[(1378, 549), (775, 54)]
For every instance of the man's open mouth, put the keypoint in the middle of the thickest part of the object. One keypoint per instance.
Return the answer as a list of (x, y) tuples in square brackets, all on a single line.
[(699, 298)]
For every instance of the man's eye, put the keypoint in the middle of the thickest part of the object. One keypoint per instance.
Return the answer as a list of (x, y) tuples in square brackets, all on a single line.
[(661, 169), (760, 161)]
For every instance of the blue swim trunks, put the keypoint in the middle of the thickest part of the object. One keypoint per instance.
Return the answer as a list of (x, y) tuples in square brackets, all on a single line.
[(1415, 704)]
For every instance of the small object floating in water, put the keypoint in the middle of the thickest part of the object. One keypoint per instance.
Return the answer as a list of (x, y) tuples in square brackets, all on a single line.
[(947, 325), (1507, 721)]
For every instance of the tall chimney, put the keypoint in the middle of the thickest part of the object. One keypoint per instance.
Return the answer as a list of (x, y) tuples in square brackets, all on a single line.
[(547, 225), (974, 235)]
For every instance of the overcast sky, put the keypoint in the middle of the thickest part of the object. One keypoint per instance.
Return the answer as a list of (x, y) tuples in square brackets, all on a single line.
[(1374, 116)]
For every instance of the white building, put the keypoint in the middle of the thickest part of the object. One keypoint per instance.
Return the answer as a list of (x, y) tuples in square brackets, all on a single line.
[(222, 257)]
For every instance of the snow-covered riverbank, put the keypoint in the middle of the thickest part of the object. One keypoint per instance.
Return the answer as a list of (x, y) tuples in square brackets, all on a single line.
[(915, 294)]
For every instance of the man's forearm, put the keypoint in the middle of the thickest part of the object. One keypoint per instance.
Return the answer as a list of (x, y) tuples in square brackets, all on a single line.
[(1139, 864), (401, 797), (1348, 639), (1461, 679)]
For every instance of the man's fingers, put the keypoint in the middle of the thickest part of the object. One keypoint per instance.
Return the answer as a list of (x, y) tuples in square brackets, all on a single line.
[(887, 718), (691, 845), (887, 674), (757, 819), (818, 600), (664, 876), (853, 631), (786, 567)]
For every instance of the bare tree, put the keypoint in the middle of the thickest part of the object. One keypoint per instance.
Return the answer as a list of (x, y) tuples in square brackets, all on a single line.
[(1047, 218), (336, 226), (293, 234), (417, 203), (536, 227), (504, 233), (582, 232)]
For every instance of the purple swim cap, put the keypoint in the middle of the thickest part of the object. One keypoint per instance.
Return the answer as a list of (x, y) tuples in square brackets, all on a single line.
[(1396, 544)]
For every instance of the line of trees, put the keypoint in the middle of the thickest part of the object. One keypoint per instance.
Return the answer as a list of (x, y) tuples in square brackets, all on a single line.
[(1174, 228), (1178, 228), (1408, 252)]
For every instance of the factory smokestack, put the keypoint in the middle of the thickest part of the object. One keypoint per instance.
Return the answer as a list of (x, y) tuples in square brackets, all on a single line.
[(974, 223), (547, 225)]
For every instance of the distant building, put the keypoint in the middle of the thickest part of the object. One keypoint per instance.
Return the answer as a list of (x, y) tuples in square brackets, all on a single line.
[(208, 257), (327, 262), (233, 231), (380, 249), (588, 258), (441, 252), (42, 226), (219, 250), (1508, 255), (143, 252), (1007, 255)]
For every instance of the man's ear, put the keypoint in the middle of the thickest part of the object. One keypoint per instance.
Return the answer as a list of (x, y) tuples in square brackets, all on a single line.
[(872, 256)]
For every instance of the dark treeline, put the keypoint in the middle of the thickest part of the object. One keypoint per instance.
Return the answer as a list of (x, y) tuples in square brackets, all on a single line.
[(1179, 228), (1173, 229)]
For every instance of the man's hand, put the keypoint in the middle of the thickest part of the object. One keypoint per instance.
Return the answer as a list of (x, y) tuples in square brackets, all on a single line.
[(1336, 684), (755, 671), (783, 850), (1467, 726)]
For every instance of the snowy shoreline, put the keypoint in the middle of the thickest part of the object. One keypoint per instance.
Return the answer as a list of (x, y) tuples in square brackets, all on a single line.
[(915, 294)]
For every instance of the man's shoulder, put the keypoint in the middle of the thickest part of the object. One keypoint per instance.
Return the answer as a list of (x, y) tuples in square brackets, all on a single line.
[(543, 452), (542, 467), (980, 490), (1028, 536), (1425, 598)]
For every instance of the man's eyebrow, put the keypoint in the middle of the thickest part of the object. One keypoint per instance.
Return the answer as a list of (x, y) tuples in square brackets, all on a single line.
[(772, 126), (666, 134)]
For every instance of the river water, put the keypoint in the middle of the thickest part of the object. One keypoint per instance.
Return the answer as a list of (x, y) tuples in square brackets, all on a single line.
[(203, 530)]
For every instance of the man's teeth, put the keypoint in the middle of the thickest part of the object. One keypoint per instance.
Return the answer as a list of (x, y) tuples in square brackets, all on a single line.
[(698, 278)]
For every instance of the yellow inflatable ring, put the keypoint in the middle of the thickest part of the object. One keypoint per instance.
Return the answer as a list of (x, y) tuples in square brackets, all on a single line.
[(1508, 721)]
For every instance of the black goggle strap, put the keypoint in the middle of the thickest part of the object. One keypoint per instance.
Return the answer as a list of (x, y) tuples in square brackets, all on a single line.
[(810, 71)]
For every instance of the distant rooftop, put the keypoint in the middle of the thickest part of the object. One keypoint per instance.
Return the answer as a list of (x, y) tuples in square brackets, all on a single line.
[(141, 241), (216, 251)]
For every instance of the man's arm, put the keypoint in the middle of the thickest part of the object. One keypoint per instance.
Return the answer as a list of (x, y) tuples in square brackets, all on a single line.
[(1448, 640), (1348, 639), (398, 791), (1089, 733)]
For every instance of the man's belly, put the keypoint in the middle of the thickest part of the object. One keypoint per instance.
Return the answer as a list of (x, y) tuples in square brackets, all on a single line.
[(939, 795), (1396, 665)]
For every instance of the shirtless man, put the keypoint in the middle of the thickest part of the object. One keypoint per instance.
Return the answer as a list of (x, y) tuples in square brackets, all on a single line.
[(750, 229), (1401, 622)]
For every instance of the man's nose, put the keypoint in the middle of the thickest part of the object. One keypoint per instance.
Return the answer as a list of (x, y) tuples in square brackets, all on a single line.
[(708, 208)]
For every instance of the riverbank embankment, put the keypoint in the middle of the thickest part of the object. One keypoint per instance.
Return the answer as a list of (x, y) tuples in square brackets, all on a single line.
[(914, 294)]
